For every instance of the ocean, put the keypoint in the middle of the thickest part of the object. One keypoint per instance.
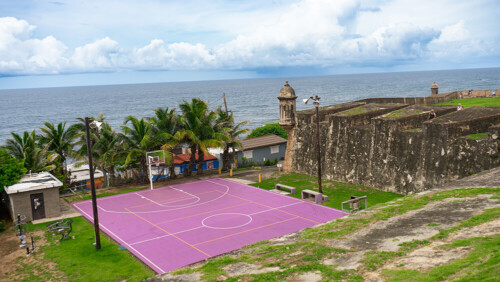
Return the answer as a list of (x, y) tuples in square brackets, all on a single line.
[(254, 100)]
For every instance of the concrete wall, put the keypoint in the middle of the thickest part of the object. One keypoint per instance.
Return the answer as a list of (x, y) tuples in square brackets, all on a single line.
[(403, 154), (259, 154), (20, 203)]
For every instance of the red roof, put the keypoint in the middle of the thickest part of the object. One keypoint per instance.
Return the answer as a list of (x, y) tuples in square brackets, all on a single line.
[(184, 158)]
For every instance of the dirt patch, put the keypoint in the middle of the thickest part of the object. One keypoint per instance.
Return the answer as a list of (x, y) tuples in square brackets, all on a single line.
[(242, 268), (307, 277), (17, 266), (177, 278), (429, 257), (346, 261), (483, 230)]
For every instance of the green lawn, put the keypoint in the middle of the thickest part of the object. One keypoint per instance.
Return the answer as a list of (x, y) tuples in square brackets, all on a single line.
[(87, 196), (80, 261), (475, 102), (337, 192)]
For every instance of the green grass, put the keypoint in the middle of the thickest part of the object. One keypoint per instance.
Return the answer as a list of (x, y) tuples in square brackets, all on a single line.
[(355, 111), (337, 192), (403, 113), (80, 261), (475, 102), (481, 264), (87, 196), (477, 136)]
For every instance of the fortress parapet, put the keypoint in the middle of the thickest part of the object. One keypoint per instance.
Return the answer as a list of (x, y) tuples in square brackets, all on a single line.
[(390, 143)]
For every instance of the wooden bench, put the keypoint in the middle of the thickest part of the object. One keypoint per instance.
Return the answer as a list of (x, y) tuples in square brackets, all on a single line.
[(355, 203), (318, 197), (283, 187)]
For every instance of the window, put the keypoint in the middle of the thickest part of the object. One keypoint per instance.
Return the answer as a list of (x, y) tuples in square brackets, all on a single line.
[(248, 154), (275, 149)]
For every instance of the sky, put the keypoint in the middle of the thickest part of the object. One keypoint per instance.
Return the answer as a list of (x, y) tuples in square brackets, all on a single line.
[(94, 42)]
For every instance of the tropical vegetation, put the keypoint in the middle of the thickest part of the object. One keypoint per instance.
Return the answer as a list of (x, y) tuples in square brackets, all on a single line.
[(195, 125), (267, 129)]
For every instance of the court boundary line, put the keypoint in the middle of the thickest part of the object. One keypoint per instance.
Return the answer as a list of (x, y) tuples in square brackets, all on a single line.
[(265, 190), (264, 204), (180, 239), (120, 239), (174, 209), (175, 199), (238, 233)]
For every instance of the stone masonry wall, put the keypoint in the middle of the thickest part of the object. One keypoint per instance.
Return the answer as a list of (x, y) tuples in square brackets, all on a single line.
[(403, 154)]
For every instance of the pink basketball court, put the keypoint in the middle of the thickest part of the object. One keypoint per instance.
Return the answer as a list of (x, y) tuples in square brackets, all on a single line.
[(177, 225)]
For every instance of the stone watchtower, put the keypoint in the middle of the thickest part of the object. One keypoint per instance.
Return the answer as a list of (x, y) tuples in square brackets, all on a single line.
[(434, 89), (287, 120), (287, 106)]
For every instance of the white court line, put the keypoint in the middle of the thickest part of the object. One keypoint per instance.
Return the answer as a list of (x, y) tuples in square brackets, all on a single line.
[(276, 194), (163, 236), (168, 206), (174, 209), (276, 208), (123, 241), (147, 240)]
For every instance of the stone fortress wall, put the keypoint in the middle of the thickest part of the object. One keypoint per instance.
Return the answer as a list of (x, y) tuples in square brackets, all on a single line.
[(390, 143)]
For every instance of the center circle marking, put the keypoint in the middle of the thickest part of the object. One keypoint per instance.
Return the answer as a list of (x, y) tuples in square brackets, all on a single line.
[(216, 221)]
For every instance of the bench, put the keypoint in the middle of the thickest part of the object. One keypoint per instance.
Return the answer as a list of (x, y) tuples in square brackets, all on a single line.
[(283, 187), (355, 203), (62, 227), (318, 197)]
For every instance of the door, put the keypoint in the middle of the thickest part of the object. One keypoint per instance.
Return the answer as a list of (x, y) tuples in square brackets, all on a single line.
[(37, 206)]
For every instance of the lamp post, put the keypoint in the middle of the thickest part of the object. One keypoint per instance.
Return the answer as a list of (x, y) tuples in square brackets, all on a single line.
[(316, 105), (92, 185)]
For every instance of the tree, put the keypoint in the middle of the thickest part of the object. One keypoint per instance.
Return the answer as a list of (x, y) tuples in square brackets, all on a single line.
[(272, 128), (61, 143), (233, 131), (138, 141), (198, 126), (36, 157), (11, 169)]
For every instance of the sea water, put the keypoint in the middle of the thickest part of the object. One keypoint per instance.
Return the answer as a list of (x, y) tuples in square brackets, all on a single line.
[(254, 100)]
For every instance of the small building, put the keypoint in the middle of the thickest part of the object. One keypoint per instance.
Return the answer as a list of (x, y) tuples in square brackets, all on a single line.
[(81, 176), (35, 196), (260, 149), (181, 162)]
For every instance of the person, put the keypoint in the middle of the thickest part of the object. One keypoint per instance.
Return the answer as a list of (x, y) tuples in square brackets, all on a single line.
[(459, 108), (432, 114)]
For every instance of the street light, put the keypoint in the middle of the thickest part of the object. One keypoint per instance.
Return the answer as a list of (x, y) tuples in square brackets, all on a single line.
[(97, 124), (316, 105)]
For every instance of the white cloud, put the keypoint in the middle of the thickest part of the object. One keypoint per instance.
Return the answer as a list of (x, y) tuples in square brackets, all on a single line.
[(97, 56)]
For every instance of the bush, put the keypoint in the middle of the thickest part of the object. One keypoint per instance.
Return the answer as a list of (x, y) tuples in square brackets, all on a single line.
[(273, 128)]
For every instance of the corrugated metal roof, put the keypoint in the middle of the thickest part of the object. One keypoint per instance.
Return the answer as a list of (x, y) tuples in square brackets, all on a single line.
[(34, 181), (262, 141)]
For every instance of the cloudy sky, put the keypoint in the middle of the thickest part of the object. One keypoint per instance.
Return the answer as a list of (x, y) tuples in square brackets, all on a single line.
[(61, 43)]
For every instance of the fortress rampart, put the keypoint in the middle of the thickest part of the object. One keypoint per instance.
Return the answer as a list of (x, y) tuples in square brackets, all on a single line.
[(390, 143)]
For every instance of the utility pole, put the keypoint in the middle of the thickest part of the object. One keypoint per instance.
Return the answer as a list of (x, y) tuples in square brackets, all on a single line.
[(225, 104)]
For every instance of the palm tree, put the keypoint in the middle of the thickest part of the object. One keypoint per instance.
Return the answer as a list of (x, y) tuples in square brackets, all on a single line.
[(233, 131), (61, 142), (198, 128), (110, 149), (18, 145), (81, 141), (36, 158), (138, 140)]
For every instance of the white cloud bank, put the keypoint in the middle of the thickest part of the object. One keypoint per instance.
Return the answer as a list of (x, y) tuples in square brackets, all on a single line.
[(320, 33)]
